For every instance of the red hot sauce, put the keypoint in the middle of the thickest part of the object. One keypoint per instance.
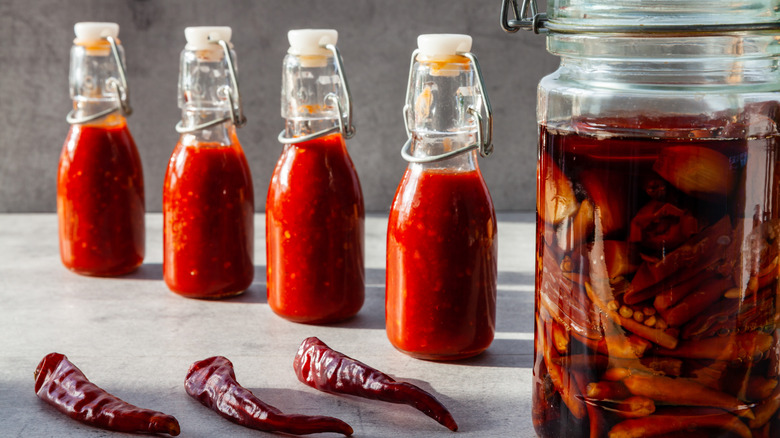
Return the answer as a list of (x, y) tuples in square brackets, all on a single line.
[(100, 199), (208, 207), (441, 264), (314, 231)]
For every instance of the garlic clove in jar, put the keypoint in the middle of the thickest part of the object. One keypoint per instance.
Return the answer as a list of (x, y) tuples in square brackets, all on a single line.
[(697, 171)]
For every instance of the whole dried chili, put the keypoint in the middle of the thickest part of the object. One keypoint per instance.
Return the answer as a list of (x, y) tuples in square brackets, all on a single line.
[(213, 382), (330, 371), (62, 385)]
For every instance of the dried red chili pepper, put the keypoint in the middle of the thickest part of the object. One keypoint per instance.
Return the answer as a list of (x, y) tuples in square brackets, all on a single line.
[(213, 382), (320, 367), (61, 384)]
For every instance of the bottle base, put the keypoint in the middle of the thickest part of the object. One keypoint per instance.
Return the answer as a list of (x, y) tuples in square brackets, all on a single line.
[(318, 320), (441, 357), (209, 296), (112, 272)]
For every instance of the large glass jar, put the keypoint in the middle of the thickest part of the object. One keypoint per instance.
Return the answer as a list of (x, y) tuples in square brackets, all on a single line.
[(658, 224)]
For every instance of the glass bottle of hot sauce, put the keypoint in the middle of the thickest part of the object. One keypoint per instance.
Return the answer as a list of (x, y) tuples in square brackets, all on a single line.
[(314, 210), (441, 236), (208, 198), (100, 187)]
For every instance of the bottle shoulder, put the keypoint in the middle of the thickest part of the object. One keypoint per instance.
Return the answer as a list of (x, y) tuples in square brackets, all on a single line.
[(442, 191)]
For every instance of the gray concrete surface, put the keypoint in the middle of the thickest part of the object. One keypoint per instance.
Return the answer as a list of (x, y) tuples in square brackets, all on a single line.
[(134, 338), (376, 40)]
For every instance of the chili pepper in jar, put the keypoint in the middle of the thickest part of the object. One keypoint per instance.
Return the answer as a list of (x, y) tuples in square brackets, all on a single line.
[(213, 382), (320, 367), (61, 384)]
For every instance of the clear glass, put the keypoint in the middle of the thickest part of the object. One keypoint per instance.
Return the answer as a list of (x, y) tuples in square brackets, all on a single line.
[(442, 91), (657, 257), (92, 67), (306, 82), (440, 301), (100, 187), (208, 196), (662, 12), (315, 215)]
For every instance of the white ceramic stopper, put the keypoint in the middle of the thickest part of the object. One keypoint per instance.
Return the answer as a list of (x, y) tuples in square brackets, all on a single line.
[(87, 31), (309, 42), (443, 44), (205, 37)]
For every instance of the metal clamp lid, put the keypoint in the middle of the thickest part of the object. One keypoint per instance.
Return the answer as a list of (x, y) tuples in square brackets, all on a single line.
[(484, 141), (232, 95), (527, 17), (119, 87), (345, 127)]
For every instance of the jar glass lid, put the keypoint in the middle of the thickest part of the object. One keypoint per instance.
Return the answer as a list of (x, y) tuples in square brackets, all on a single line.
[(642, 16)]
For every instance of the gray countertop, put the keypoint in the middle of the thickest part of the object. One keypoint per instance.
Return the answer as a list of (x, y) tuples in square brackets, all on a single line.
[(136, 339)]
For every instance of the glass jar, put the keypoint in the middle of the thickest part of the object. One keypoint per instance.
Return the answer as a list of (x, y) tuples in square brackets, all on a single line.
[(314, 210), (208, 198), (100, 184), (441, 236), (657, 221)]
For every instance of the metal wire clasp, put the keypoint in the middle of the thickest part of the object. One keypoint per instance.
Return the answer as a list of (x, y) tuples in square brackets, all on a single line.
[(484, 124), (345, 127), (118, 87), (527, 17), (232, 95)]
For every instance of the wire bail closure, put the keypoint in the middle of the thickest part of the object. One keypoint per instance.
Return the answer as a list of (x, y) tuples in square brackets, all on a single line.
[(484, 141), (527, 17), (118, 87), (232, 95), (345, 126)]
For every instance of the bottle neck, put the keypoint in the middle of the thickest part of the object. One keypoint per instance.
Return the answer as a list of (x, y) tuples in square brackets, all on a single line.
[(83, 109), (427, 145), (220, 134), (308, 84), (301, 127), (441, 92), (92, 78), (204, 83)]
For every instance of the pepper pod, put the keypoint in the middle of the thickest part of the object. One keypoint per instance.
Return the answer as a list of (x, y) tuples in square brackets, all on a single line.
[(212, 382), (314, 211), (208, 197), (328, 370), (441, 234), (61, 384), (100, 184)]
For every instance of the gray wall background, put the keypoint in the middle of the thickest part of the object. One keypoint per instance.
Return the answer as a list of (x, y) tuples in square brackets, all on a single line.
[(375, 38)]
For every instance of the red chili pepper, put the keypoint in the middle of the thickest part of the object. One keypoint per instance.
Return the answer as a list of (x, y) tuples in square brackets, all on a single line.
[(328, 370), (61, 384), (213, 382)]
